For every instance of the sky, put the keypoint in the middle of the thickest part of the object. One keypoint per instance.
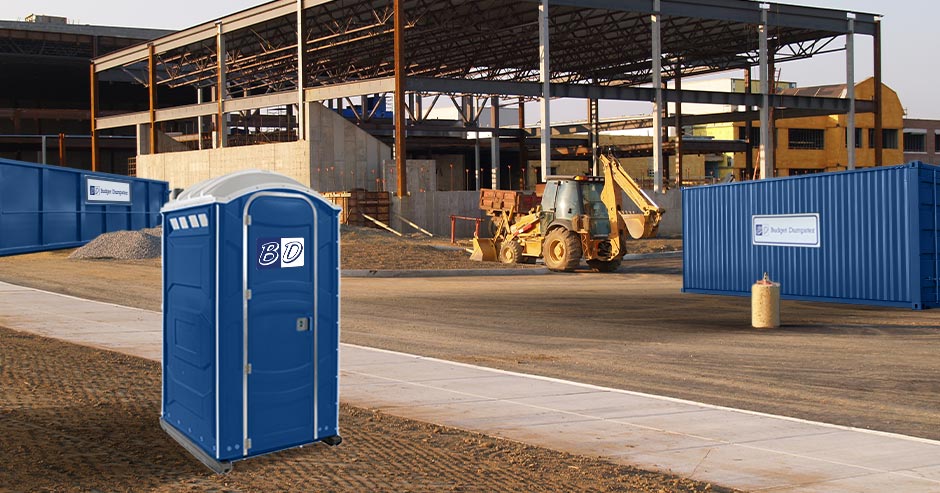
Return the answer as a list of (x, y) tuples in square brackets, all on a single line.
[(908, 48)]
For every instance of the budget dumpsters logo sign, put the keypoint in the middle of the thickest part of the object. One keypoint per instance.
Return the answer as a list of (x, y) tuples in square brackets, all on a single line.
[(280, 253)]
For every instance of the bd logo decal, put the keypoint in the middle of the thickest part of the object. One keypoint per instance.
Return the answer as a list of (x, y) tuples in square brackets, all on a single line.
[(280, 253), (93, 190)]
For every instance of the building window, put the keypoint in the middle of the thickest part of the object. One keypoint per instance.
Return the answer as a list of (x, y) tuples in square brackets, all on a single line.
[(755, 135), (889, 138), (807, 138), (915, 142), (936, 142), (858, 138)]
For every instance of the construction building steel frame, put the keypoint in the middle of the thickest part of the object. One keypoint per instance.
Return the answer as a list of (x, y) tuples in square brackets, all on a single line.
[(296, 52)]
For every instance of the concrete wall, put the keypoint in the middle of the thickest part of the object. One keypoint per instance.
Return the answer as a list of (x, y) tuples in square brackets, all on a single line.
[(343, 156), (431, 209), (671, 223), (337, 156), (184, 169)]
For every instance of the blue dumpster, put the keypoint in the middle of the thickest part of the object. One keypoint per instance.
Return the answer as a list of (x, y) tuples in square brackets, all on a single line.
[(868, 236), (50, 207), (250, 318)]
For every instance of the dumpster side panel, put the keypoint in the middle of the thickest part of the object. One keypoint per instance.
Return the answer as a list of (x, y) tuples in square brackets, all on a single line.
[(928, 208), (20, 199), (189, 398), (864, 247)]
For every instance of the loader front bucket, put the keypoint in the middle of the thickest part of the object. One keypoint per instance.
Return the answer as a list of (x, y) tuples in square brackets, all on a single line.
[(484, 250), (640, 226)]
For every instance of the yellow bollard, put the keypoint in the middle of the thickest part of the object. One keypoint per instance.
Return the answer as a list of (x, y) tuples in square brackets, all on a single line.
[(765, 304)]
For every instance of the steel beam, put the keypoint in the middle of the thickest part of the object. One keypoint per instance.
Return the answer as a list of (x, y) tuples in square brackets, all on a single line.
[(350, 89), (205, 32), (620, 93), (400, 146), (850, 89), (545, 76), (657, 59), (783, 15)]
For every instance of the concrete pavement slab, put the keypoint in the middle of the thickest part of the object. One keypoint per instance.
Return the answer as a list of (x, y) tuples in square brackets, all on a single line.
[(734, 448)]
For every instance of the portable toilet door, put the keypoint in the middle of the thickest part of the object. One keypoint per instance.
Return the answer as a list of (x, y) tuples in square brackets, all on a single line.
[(251, 331), (279, 320)]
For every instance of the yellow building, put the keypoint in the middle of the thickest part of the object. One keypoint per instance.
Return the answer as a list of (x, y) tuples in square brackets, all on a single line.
[(816, 144)]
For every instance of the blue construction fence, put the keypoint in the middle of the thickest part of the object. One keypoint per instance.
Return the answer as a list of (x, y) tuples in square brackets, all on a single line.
[(50, 207)]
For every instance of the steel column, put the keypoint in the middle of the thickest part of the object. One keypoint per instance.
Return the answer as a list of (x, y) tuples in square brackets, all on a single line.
[(199, 119), (400, 147), (748, 130), (679, 156), (523, 151), (657, 58), (94, 117), (476, 159), (879, 122), (765, 159), (850, 89), (221, 126), (772, 111), (593, 132), (61, 149), (301, 58), (152, 93), (494, 143), (545, 78)]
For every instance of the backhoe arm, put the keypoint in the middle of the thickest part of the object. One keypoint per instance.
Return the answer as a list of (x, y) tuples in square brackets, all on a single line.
[(643, 225)]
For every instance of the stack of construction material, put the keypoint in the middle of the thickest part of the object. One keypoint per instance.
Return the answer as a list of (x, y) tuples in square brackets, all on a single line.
[(357, 202)]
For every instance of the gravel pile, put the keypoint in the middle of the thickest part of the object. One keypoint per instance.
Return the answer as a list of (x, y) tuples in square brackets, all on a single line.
[(124, 245)]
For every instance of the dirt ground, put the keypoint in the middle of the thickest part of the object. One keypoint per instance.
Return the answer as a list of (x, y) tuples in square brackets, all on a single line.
[(79, 419), (370, 248), (867, 367), (859, 366)]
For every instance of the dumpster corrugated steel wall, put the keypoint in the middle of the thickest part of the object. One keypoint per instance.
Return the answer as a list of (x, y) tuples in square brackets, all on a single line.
[(876, 237), (49, 207)]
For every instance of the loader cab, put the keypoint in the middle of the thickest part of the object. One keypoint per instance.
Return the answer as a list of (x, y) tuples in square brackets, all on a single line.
[(574, 202)]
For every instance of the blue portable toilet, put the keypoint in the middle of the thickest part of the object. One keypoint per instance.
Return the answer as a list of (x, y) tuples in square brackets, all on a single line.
[(250, 317)]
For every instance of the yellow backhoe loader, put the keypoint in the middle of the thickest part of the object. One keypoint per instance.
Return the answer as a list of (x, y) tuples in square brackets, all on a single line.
[(578, 217)]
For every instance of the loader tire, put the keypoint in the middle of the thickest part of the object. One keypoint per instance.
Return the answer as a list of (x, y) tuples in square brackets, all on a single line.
[(510, 252), (562, 250), (604, 265)]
